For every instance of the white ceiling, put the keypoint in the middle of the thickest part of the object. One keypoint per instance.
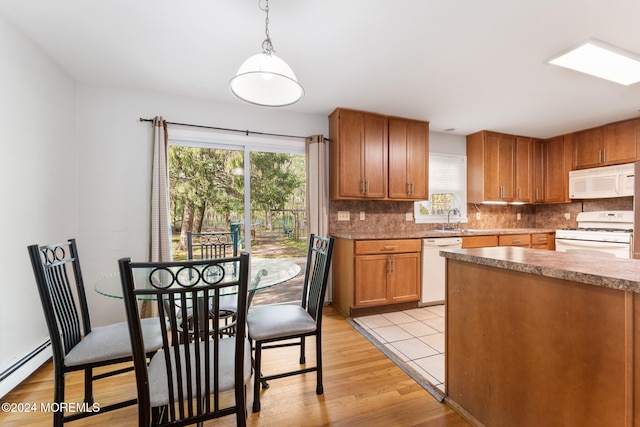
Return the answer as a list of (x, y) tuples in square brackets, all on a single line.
[(463, 64)]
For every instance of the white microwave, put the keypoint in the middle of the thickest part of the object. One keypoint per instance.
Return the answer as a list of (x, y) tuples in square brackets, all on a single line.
[(601, 183)]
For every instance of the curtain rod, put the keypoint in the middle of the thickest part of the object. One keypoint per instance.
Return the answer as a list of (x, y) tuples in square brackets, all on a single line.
[(246, 132)]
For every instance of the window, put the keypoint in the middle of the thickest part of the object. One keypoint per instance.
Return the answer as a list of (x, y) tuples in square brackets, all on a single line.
[(212, 189), (447, 190)]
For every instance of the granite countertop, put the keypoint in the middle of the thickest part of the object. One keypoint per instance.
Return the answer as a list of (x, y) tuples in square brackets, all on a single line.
[(436, 233), (615, 273)]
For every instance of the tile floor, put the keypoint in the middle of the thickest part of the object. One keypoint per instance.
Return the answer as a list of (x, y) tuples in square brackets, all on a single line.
[(415, 337)]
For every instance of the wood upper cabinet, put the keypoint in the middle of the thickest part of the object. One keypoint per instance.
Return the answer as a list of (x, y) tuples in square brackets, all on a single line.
[(557, 161), (523, 169), (620, 142), (408, 159), (537, 171), (588, 148), (490, 167), (358, 155), (611, 144)]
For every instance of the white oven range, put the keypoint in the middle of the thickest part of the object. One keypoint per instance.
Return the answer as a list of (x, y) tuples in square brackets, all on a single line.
[(600, 233)]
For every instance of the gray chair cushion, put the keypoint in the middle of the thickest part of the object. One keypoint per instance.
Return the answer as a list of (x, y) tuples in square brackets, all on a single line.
[(278, 320), (113, 342), (157, 370)]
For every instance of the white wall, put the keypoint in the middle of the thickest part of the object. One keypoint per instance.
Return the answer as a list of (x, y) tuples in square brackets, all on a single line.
[(39, 182), (114, 166), (446, 143)]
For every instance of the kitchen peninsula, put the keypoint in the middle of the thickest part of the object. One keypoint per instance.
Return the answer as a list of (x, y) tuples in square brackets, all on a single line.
[(542, 338)]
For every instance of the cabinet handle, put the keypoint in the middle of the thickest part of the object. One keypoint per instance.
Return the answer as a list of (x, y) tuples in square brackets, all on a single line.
[(392, 266), (409, 188), (599, 156), (366, 186), (515, 242), (604, 155), (412, 189), (536, 194), (389, 248)]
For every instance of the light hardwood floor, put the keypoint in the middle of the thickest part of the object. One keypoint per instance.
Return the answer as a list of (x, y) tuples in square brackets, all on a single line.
[(361, 387)]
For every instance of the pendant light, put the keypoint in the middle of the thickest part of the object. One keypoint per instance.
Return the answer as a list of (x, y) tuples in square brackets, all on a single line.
[(264, 79)]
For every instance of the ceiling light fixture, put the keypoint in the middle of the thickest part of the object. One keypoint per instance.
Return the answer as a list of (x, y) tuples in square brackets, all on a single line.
[(602, 60), (264, 79)]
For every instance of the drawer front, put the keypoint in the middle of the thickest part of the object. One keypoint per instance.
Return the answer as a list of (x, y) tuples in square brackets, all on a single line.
[(479, 241), (540, 239), (514, 240), (387, 246)]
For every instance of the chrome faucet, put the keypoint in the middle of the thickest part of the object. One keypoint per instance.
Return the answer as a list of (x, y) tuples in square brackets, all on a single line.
[(455, 211)]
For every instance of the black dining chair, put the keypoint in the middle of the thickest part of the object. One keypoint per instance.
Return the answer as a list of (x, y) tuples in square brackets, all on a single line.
[(269, 325), (214, 245), (75, 344), (184, 383)]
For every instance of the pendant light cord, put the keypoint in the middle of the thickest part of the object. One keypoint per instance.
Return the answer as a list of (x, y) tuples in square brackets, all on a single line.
[(267, 46)]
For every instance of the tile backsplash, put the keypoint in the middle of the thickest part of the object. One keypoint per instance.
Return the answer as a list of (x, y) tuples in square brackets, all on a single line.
[(391, 216)]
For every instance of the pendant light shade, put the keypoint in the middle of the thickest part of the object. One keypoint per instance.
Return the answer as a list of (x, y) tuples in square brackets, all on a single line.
[(265, 79)]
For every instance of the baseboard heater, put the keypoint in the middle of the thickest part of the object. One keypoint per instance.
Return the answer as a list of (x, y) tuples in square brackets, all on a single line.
[(26, 359)]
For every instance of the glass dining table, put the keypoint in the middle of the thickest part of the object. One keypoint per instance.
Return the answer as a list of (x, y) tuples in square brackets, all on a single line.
[(263, 273)]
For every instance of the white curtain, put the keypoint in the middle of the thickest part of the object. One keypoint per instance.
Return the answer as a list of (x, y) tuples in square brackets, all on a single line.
[(160, 235), (317, 155), (160, 245), (317, 188)]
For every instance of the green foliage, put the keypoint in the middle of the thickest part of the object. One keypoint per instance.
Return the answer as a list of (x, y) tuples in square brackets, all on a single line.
[(212, 181)]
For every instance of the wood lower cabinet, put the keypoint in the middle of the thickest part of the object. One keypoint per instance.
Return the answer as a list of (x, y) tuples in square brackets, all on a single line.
[(376, 274), (523, 240), (479, 241), (534, 241), (543, 241)]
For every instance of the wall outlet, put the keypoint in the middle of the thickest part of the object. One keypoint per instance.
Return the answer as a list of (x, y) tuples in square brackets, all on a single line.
[(343, 216), (478, 216), (361, 215), (518, 216), (567, 216), (408, 216)]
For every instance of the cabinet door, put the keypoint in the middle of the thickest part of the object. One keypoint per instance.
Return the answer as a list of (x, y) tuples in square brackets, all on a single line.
[(371, 280), (499, 167), (375, 156), (350, 154), (524, 172), (619, 143), (537, 169), (408, 159), (556, 177), (492, 188), (588, 148), (404, 278)]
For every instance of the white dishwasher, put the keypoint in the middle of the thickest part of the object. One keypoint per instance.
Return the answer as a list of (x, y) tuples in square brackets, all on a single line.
[(433, 268)]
